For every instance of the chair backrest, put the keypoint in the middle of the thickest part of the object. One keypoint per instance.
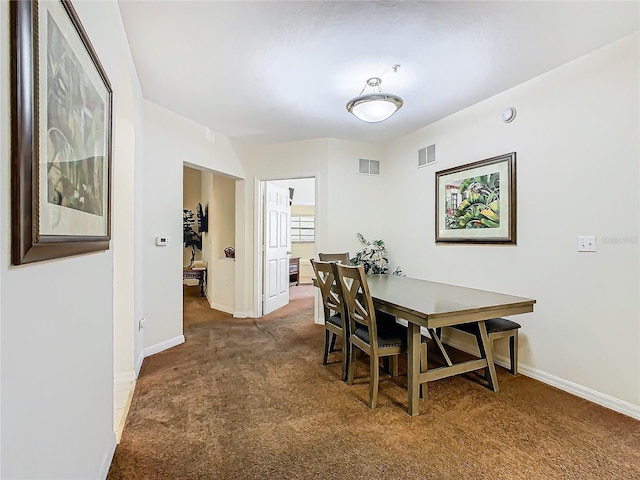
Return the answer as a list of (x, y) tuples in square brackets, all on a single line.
[(330, 291), (358, 303), (335, 257)]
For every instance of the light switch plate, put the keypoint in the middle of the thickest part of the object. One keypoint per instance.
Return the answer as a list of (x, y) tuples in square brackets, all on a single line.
[(586, 243), (162, 241)]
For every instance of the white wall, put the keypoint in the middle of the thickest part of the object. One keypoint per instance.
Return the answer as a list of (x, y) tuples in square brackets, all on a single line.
[(355, 202), (127, 209), (576, 138), (347, 203), (57, 365), (171, 141), (304, 191), (139, 216), (122, 231), (269, 162), (221, 199), (345, 198), (222, 211)]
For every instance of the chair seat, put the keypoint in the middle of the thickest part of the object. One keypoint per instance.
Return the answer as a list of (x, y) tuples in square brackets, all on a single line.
[(493, 325), (335, 320), (388, 335)]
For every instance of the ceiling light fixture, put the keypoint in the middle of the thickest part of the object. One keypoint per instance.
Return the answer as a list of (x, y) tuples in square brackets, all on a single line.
[(376, 106)]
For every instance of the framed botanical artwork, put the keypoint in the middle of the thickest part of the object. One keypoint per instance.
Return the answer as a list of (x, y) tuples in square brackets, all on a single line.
[(61, 107), (476, 203)]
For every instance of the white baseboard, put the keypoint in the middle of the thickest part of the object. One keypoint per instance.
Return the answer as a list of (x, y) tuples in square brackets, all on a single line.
[(139, 364), (160, 347), (107, 458), (586, 393), (243, 314), (602, 399)]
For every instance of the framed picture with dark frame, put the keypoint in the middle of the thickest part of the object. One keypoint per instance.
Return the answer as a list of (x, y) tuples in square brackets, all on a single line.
[(61, 108), (476, 202)]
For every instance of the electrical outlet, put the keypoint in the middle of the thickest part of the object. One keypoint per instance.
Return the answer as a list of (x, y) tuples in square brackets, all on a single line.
[(586, 243)]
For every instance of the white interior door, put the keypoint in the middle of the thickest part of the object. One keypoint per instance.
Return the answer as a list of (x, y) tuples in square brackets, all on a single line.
[(277, 239)]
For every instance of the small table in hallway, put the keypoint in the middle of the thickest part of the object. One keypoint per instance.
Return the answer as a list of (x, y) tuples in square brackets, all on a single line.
[(199, 274), (294, 270)]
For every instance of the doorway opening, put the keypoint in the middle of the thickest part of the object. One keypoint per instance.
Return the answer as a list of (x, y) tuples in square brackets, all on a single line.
[(209, 210), (288, 272)]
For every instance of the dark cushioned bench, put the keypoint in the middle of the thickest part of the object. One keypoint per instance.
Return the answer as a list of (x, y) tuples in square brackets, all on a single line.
[(497, 328)]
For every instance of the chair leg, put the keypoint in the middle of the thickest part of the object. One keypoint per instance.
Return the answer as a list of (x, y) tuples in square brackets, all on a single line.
[(332, 348), (513, 353), (386, 365), (373, 381), (351, 368), (346, 359), (395, 371), (325, 357)]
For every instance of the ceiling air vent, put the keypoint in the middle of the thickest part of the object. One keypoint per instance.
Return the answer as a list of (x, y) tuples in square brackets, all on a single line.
[(368, 167), (426, 156)]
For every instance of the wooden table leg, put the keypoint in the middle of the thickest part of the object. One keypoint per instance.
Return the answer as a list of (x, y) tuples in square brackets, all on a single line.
[(435, 336), (486, 351), (413, 370)]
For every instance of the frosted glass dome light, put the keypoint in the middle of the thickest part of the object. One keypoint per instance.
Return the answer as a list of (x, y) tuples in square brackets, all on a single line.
[(374, 107)]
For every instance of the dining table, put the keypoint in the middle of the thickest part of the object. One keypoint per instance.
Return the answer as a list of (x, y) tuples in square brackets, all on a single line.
[(433, 305)]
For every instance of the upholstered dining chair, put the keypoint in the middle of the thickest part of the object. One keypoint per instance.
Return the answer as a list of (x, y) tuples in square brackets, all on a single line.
[(335, 257), (376, 338), (334, 317)]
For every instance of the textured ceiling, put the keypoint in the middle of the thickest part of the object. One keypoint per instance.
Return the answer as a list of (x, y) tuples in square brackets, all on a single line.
[(265, 72)]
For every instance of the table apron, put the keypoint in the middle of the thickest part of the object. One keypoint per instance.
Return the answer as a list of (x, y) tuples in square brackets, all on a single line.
[(446, 320)]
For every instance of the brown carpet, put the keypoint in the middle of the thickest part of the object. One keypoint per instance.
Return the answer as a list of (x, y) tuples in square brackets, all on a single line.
[(250, 399)]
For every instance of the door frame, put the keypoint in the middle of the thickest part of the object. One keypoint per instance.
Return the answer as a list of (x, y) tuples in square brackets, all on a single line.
[(258, 231)]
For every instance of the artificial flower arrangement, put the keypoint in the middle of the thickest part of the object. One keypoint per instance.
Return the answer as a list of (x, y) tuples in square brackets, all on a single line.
[(373, 257)]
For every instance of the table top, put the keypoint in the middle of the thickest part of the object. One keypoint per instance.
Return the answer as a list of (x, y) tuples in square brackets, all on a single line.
[(433, 304)]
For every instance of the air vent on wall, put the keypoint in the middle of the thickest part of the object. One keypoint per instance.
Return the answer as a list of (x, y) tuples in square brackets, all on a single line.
[(426, 156), (368, 167)]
